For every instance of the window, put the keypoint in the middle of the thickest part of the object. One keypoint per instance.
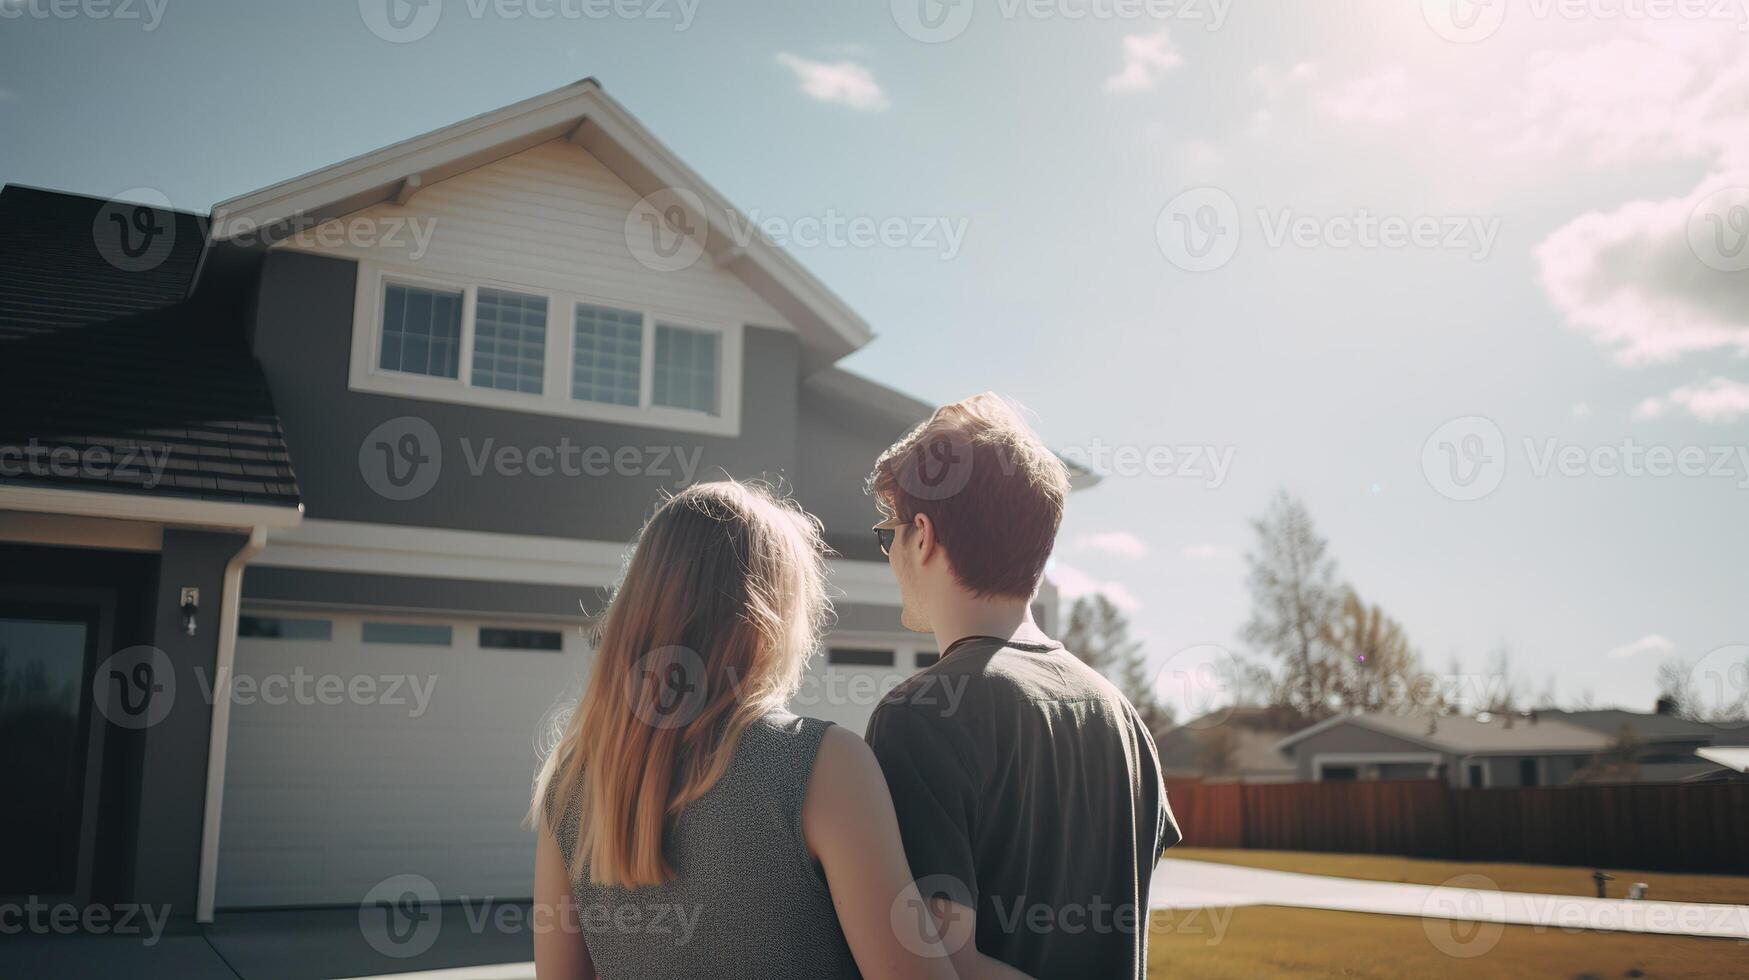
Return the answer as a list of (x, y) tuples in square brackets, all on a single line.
[(927, 658), (607, 358), (495, 638), (282, 628), (848, 657), (415, 633), (422, 331), (685, 369), (510, 340), (544, 349), (1527, 772)]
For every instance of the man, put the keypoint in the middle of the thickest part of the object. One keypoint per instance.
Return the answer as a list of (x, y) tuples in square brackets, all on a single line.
[(1030, 802)]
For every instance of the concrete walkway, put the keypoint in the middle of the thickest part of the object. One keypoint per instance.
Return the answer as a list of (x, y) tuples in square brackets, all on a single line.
[(1473, 898)]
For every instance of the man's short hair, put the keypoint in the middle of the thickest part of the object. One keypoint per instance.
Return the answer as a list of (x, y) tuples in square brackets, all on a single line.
[(992, 490)]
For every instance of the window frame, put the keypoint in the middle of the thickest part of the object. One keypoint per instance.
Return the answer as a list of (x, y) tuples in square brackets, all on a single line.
[(555, 398)]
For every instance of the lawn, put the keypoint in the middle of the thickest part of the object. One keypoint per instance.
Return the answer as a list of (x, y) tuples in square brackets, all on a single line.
[(1545, 879), (1266, 941)]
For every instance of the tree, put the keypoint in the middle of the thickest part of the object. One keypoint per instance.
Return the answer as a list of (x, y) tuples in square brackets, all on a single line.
[(1099, 634), (1294, 597), (1503, 695), (1676, 685), (1374, 667)]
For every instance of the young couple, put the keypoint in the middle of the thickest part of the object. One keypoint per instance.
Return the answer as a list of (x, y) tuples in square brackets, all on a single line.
[(1008, 832)]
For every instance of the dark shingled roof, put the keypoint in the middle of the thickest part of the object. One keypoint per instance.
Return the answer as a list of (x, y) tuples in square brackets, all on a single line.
[(116, 378)]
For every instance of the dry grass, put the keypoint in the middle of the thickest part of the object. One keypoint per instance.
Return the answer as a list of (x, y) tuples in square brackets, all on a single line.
[(1545, 879), (1265, 941)]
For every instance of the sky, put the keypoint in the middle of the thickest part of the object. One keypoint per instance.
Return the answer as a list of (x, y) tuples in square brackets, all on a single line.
[(1467, 278)]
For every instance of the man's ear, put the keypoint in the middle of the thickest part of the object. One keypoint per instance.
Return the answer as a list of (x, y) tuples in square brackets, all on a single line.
[(926, 544)]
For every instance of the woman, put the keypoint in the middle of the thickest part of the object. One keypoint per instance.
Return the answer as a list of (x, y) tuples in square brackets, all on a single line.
[(688, 825)]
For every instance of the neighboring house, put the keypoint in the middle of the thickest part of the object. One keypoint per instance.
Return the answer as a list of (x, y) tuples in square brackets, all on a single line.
[(1666, 744), (477, 426), (1468, 752), (1228, 745)]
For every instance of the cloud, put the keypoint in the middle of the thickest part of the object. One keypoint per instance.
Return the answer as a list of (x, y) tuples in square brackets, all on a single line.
[(7, 95), (1714, 400), (1146, 57), (1073, 583), (1379, 99), (1651, 644), (1122, 544), (1205, 552), (841, 82), (1651, 280)]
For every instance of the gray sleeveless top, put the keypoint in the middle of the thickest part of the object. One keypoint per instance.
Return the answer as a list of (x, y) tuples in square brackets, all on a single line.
[(748, 900)]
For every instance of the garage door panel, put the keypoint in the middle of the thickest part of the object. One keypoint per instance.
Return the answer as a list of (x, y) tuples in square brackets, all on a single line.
[(324, 800)]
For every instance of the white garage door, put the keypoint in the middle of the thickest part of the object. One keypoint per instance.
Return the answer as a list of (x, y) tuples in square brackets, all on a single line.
[(365, 747)]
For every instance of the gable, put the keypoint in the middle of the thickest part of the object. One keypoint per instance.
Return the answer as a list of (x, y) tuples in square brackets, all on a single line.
[(551, 216)]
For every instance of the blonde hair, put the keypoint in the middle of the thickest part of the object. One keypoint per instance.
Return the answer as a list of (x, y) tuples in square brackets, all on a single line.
[(722, 602)]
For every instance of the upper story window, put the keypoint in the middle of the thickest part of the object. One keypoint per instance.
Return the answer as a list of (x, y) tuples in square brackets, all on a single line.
[(422, 330), (550, 351), (510, 341)]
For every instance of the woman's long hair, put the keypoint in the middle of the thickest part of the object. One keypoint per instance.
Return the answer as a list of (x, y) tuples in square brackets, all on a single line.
[(721, 604)]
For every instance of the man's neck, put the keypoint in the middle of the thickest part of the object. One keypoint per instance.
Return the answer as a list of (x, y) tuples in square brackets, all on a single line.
[(966, 616)]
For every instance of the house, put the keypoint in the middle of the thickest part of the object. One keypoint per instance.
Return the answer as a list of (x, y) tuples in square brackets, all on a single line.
[(1237, 744), (1665, 745), (1468, 752), (302, 503)]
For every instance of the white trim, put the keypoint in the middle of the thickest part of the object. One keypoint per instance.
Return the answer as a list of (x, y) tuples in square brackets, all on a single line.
[(80, 532), (1358, 759), (218, 737), (433, 552), (555, 397), (598, 124), (148, 507)]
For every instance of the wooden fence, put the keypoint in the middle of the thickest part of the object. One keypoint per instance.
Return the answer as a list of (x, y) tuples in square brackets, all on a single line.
[(1649, 827)]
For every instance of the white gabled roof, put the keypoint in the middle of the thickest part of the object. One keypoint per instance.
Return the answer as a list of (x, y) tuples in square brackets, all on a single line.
[(585, 114)]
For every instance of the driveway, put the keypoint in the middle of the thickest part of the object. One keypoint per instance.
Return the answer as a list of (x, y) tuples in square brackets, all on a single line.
[(1196, 884)]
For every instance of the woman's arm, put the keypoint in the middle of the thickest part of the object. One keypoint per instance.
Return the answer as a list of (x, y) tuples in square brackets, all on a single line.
[(851, 829), (559, 950)]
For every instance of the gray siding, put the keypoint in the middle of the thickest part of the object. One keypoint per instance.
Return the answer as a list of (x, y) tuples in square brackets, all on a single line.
[(302, 336), (1349, 739)]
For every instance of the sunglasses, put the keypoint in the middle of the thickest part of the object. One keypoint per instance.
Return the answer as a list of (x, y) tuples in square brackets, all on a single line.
[(884, 533)]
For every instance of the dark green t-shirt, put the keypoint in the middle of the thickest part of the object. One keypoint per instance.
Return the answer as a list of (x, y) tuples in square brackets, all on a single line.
[(1028, 788)]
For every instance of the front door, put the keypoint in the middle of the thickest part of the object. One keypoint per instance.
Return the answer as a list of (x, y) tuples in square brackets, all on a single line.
[(49, 743)]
